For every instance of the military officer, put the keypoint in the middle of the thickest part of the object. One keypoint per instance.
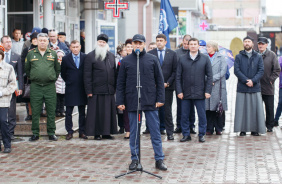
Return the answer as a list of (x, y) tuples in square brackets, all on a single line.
[(42, 68)]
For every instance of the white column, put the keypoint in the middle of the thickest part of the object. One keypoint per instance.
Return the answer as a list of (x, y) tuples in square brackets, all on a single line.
[(47, 14), (88, 27)]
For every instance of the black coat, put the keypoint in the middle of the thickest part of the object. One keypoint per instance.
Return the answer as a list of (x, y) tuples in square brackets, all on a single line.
[(152, 82), (75, 93), (169, 67), (15, 61), (194, 78), (100, 76), (245, 68)]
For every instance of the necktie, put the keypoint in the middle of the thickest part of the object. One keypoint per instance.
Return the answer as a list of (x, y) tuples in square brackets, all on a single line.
[(7, 57), (161, 57), (76, 62)]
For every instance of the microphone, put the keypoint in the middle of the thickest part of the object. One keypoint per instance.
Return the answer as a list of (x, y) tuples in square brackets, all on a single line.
[(137, 51)]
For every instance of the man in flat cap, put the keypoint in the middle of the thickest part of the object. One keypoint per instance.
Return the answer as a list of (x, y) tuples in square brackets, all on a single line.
[(152, 97), (100, 85), (249, 114), (62, 38), (271, 73)]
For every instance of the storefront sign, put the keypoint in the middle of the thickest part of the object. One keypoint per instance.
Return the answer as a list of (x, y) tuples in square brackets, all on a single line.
[(109, 30)]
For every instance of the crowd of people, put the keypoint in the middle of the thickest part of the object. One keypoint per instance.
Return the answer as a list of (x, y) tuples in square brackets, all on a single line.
[(61, 76)]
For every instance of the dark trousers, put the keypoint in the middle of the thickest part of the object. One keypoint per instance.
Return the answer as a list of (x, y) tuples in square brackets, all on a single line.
[(60, 103), (269, 109), (165, 113), (185, 114), (214, 122), (123, 121), (153, 123), (4, 126), (192, 117), (279, 107), (12, 115), (81, 119)]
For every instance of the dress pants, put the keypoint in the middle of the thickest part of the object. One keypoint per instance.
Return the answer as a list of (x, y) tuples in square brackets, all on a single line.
[(214, 122), (12, 115), (165, 113), (4, 125), (81, 119), (192, 117), (153, 124), (60, 103), (269, 109), (279, 106), (185, 113)]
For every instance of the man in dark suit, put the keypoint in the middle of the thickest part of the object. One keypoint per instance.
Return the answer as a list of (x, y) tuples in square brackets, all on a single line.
[(152, 97), (72, 72), (168, 62), (14, 60)]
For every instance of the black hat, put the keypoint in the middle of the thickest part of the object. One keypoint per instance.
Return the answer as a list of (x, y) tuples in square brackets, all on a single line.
[(103, 37), (62, 33), (248, 37), (44, 30), (139, 37), (262, 40), (33, 35)]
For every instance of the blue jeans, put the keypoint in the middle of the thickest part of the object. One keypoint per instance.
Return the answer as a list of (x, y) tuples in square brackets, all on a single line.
[(153, 124), (192, 117), (4, 126), (279, 107), (185, 114)]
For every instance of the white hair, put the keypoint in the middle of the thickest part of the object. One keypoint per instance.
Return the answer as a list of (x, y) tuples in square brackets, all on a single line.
[(101, 52)]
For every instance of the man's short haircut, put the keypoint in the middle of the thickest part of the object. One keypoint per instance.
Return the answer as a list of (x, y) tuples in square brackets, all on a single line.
[(5, 36), (186, 37), (152, 43), (42, 35), (16, 29), (193, 39), (161, 36), (75, 42)]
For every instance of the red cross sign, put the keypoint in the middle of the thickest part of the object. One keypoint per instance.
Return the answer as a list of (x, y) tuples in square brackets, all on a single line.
[(204, 25), (116, 6)]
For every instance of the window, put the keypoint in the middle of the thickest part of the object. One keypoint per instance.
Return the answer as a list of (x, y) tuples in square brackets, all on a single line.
[(20, 5), (239, 12)]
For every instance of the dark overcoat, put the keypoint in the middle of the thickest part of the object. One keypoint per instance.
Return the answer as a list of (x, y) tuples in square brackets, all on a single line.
[(75, 93), (152, 82)]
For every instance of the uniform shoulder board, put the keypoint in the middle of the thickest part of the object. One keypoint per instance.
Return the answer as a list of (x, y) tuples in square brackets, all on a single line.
[(31, 49)]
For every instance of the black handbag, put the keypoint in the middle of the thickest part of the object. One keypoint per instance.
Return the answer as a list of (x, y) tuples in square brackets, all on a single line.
[(26, 91), (219, 108)]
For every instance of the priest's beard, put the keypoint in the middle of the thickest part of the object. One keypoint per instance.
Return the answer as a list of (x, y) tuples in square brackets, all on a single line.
[(101, 52)]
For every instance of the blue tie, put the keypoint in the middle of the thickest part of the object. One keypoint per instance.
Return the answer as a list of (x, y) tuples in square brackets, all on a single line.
[(76, 61), (161, 57), (7, 57)]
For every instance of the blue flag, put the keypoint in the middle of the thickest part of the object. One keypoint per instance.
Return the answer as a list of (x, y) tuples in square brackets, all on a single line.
[(167, 20)]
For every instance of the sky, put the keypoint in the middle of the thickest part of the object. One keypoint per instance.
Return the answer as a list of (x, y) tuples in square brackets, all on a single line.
[(274, 7)]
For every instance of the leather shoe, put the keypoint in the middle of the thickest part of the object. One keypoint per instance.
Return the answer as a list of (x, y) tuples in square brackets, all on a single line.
[(269, 130), (162, 132), (218, 133), (108, 137), (276, 123), (185, 138), (146, 131), (255, 134), (202, 139), (242, 133), (69, 136), (208, 133), (7, 150), (34, 138), (133, 165), (170, 137), (62, 114), (121, 131), (28, 118), (177, 130), (192, 131), (160, 165), (83, 136), (53, 138), (97, 137)]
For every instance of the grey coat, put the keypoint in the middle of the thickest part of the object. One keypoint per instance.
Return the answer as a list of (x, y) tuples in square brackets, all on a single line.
[(219, 67)]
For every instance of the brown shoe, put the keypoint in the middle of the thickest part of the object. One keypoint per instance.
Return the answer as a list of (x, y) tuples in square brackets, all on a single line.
[(83, 136), (69, 136)]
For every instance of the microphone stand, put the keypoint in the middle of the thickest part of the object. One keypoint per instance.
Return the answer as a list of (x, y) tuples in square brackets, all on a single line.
[(139, 113)]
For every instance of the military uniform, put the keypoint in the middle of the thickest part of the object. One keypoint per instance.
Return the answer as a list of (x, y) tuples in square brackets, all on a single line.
[(43, 72)]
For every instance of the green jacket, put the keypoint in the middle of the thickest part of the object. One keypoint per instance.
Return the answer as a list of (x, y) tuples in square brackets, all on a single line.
[(42, 70)]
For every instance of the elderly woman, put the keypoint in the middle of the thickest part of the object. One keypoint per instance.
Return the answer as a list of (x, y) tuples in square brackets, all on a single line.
[(219, 67), (7, 88)]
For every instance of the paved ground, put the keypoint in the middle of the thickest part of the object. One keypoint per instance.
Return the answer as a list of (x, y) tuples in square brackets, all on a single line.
[(221, 159)]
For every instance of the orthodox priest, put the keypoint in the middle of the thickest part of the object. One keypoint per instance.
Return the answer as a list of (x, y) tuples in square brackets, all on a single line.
[(100, 84)]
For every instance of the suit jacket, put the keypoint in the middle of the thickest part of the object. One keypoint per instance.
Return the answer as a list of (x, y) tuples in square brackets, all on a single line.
[(169, 66), (75, 93), (15, 61)]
